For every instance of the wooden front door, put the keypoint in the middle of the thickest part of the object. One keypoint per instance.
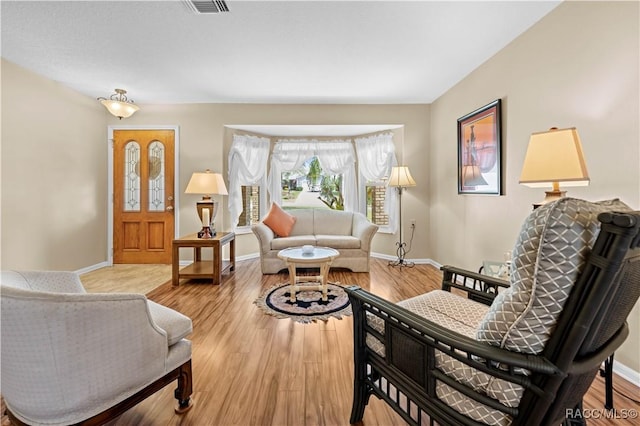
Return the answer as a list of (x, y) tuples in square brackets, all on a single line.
[(143, 208)]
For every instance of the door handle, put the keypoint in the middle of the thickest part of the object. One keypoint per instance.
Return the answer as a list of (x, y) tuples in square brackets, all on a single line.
[(169, 208)]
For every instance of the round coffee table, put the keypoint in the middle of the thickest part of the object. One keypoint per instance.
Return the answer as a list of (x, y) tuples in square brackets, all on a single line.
[(294, 257)]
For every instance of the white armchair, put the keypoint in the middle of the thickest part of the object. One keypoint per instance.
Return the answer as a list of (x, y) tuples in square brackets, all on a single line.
[(69, 356)]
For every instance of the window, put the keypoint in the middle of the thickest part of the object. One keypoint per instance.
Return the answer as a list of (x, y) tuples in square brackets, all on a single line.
[(341, 174), (310, 187), (291, 161)]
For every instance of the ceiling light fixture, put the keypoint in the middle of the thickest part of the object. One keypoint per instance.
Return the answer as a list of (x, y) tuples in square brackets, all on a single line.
[(119, 105)]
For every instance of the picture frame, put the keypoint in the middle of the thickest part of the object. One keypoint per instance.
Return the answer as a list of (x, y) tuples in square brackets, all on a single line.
[(479, 151)]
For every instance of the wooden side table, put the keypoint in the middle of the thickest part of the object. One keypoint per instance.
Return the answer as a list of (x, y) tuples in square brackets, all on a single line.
[(203, 268)]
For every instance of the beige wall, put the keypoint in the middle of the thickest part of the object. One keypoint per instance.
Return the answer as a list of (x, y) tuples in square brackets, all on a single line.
[(54, 165), (205, 144), (577, 67)]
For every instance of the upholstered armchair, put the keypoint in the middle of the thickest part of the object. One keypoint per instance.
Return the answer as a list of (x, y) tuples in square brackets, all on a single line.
[(525, 351), (73, 357)]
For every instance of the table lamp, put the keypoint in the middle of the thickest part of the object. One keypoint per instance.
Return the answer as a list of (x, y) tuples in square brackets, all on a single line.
[(401, 178), (208, 184), (552, 157)]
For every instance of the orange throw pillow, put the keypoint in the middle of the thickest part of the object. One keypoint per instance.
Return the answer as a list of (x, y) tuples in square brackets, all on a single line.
[(279, 221)]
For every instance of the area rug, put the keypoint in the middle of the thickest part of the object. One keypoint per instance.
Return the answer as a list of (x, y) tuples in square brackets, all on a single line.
[(308, 306)]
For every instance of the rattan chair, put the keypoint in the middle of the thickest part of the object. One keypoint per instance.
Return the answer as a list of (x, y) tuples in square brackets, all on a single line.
[(434, 358)]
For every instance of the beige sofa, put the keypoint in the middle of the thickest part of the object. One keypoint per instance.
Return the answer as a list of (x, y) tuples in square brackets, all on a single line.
[(348, 232)]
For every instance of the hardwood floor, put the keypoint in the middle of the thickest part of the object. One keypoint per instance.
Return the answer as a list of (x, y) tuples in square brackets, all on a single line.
[(253, 369)]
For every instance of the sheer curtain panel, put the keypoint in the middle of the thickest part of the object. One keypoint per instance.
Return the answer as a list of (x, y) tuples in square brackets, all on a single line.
[(337, 157), (247, 166), (376, 157)]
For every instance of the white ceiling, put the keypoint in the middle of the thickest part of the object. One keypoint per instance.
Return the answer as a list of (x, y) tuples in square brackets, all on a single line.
[(263, 51)]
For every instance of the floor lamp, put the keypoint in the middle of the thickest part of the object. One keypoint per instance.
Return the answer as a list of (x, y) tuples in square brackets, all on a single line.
[(401, 178)]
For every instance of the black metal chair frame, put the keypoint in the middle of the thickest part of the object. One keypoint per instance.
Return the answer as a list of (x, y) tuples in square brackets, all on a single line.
[(591, 327)]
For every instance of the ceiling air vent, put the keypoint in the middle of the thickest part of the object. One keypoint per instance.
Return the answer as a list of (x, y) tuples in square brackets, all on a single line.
[(208, 6)]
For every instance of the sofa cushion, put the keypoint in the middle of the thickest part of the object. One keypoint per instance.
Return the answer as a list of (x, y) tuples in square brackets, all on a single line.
[(279, 221), (332, 222), (293, 241), (338, 241), (304, 222), (176, 325), (549, 254)]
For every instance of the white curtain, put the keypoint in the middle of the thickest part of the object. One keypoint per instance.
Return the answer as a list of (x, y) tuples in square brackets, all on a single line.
[(376, 157), (287, 155), (337, 157), (247, 166)]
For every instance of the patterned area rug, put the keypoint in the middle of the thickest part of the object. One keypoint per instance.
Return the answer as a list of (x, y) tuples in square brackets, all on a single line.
[(308, 306)]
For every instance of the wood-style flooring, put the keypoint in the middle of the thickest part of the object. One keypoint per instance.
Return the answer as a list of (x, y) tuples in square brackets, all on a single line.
[(253, 369)]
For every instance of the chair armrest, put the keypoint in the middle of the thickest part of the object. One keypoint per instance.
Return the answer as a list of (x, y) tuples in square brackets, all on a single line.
[(479, 287), (264, 234), (363, 230)]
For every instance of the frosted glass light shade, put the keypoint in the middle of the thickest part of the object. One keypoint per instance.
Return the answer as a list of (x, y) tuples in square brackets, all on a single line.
[(401, 177), (119, 105), (120, 109)]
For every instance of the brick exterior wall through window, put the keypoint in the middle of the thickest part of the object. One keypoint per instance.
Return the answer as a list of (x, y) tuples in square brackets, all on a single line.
[(377, 206), (251, 206)]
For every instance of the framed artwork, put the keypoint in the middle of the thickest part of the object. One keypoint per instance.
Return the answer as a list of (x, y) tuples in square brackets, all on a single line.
[(479, 158)]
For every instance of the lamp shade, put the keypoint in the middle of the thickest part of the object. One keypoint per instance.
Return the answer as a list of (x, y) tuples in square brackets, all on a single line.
[(206, 183), (552, 157), (120, 109), (119, 105), (401, 177)]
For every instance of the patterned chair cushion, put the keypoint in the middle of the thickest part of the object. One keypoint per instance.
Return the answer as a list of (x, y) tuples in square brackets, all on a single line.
[(548, 256), (442, 307)]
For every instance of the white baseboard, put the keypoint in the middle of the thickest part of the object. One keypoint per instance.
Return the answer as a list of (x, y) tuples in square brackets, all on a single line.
[(626, 373), (92, 268), (416, 261)]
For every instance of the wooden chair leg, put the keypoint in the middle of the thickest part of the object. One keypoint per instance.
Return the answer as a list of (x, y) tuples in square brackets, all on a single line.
[(184, 390)]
